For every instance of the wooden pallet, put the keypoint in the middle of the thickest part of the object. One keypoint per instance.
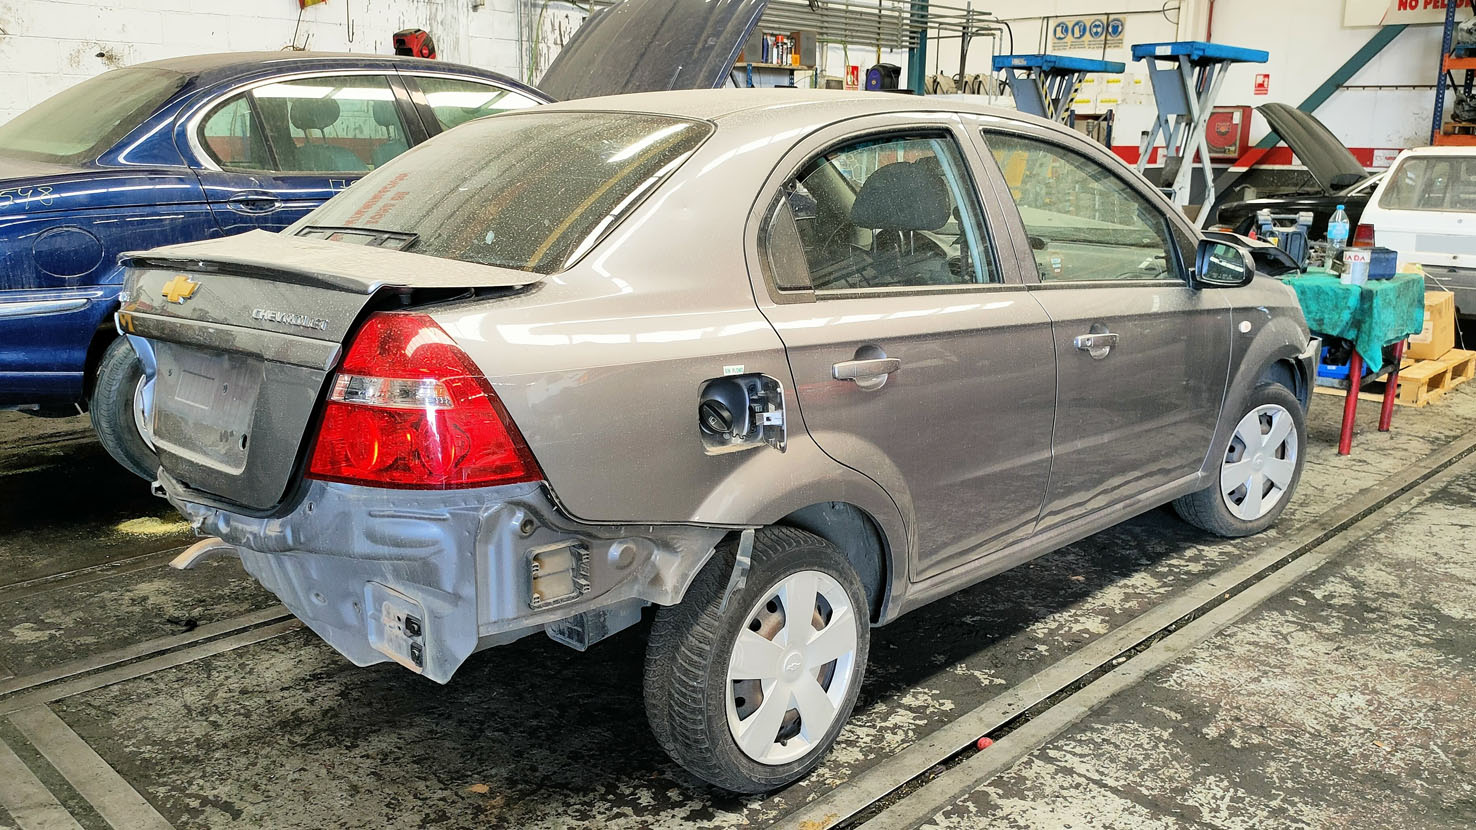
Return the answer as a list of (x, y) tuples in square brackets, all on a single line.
[(1421, 382), (1453, 128)]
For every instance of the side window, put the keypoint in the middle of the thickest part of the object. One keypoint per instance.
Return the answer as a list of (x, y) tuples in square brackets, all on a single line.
[(330, 125), (1084, 222), (456, 101), (232, 136), (882, 212)]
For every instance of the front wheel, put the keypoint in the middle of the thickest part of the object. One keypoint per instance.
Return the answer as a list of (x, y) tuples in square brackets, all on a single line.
[(1260, 468), (117, 412), (750, 695)]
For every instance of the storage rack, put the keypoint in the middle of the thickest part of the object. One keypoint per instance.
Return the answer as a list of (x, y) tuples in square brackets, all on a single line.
[(1452, 59)]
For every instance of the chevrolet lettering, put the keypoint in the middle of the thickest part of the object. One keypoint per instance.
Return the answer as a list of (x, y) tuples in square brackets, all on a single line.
[(287, 318)]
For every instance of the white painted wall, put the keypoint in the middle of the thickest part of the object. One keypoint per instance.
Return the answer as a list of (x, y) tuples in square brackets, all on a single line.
[(48, 45)]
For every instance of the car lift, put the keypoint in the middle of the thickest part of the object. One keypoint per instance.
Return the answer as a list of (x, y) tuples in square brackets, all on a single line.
[(1186, 77), (1045, 85)]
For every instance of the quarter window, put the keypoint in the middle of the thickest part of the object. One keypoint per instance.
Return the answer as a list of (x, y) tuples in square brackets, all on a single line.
[(882, 212), (1084, 221), (456, 101), (233, 136)]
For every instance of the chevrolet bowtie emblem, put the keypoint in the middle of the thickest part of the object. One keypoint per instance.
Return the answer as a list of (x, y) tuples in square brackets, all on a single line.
[(180, 288)]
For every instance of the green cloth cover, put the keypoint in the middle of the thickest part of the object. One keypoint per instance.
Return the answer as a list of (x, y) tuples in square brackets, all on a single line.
[(1372, 315)]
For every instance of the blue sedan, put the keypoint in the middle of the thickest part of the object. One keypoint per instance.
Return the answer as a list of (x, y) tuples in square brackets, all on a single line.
[(180, 150)]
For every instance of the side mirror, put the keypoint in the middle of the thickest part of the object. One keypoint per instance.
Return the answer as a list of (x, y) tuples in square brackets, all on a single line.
[(1221, 265)]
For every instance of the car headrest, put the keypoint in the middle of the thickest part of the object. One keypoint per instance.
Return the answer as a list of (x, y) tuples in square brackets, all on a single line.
[(902, 196), (312, 113), (384, 114)]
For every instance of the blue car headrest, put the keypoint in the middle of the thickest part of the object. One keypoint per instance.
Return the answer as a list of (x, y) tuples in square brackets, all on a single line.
[(312, 113)]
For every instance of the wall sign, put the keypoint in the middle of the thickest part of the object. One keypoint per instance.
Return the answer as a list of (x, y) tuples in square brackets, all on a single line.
[(1263, 84), (1087, 33), (1385, 12)]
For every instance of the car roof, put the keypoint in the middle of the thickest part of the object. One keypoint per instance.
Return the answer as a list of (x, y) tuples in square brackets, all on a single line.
[(749, 104), (221, 65), (1440, 151)]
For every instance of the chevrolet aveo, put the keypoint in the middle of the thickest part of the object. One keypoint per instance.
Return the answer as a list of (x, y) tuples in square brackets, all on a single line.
[(785, 365)]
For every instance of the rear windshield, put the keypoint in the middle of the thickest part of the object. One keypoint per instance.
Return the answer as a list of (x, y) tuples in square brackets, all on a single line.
[(1432, 183), (530, 191), (82, 122)]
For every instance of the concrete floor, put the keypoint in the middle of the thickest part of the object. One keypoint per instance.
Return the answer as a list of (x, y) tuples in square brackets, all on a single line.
[(1346, 699)]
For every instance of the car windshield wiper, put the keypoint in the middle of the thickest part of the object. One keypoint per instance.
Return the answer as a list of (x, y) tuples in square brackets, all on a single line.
[(372, 237)]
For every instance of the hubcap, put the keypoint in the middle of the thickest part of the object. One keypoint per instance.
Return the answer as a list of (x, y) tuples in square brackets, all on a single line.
[(1260, 462), (791, 667)]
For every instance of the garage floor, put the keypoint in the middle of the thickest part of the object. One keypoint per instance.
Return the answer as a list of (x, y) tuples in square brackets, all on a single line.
[(134, 696)]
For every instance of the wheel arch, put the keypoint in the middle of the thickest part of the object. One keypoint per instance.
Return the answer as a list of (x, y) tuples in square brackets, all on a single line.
[(856, 533)]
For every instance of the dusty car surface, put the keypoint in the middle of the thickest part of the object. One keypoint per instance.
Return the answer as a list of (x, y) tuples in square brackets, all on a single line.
[(783, 364)]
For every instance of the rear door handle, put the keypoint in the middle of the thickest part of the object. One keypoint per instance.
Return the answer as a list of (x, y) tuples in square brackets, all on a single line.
[(254, 201), (869, 373), (1096, 344)]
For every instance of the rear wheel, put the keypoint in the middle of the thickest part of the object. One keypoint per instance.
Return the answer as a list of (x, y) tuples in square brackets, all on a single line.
[(117, 411), (1260, 468), (751, 695)]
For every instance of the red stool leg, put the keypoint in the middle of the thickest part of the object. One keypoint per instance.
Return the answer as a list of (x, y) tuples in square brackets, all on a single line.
[(1386, 415), (1350, 403)]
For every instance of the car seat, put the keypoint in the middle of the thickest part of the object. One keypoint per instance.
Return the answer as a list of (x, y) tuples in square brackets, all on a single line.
[(395, 143), (897, 203), (319, 114)]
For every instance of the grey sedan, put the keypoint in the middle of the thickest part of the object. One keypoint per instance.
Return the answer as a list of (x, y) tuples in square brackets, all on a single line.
[(784, 365)]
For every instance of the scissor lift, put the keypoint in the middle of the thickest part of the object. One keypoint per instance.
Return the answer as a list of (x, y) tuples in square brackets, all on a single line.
[(1186, 77), (1045, 85)]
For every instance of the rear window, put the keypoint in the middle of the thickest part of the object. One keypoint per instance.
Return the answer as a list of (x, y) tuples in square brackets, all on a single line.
[(530, 191), (82, 122), (1432, 183)]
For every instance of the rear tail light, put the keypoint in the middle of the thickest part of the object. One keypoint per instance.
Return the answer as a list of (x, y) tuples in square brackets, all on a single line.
[(1363, 237), (409, 409)]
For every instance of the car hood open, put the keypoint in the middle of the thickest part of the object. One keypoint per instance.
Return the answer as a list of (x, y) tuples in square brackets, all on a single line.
[(652, 45), (1326, 158)]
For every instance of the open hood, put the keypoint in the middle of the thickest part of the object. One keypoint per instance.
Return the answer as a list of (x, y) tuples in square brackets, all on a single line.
[(1326, 158), (652, 45)]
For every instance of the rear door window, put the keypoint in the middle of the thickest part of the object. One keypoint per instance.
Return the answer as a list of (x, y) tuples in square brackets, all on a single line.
[(879, 212), (456, 101), (347, 124)]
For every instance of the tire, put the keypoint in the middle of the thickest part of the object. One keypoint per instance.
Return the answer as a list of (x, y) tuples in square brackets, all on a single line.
[(1228, 506), (119, 374), (693, 706)]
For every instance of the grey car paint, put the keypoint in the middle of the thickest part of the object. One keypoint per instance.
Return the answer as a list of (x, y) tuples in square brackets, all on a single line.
[(600, 367)]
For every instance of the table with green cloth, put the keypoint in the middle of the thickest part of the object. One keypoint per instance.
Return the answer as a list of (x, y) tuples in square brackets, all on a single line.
[(1371, 316)]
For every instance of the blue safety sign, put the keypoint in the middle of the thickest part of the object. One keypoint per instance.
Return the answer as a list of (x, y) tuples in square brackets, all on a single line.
[(1115, 27), (1078, 29), (1097, 28)]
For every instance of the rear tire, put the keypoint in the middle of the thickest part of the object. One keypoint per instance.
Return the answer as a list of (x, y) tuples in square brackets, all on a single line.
[(119, 375), (1259, 471), (708, 678)]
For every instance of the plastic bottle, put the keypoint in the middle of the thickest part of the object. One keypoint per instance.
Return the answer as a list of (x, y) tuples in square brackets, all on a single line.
[(1337, 235)]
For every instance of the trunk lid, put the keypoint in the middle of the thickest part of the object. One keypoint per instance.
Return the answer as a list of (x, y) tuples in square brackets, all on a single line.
[(246, 331), (1325, 157), (652, 45)]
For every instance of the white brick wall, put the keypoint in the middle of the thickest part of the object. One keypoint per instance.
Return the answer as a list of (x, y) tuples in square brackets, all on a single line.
[(48, 45)]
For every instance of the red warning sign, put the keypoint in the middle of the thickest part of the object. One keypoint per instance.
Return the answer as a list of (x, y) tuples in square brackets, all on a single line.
[(1263, 84)]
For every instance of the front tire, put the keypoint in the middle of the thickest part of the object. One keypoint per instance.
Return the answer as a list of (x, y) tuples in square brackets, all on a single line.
[(120, 378), (750, 696), (1260, 468)]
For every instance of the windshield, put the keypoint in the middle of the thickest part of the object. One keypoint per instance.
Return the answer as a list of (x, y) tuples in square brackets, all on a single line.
[(1432, 183), (82, 122), (527, 191)]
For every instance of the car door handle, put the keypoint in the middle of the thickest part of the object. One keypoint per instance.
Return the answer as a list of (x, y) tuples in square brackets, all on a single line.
[(1096, 344), (254, 201), (868, 373)]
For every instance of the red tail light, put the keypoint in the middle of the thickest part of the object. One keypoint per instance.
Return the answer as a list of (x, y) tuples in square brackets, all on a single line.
[(410, 409), (1363, 237)]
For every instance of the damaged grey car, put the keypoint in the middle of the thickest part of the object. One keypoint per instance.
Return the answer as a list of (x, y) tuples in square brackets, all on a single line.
[(777, 365)]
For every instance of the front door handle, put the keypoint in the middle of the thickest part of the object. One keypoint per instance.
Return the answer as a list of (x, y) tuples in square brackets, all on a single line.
[(1097, 344), (867, 373)]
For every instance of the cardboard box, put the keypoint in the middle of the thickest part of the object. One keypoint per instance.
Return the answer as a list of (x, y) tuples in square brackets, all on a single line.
[(1438, 336)]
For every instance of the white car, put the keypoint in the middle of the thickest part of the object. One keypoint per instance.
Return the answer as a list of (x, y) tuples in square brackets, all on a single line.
[(1426, 210)]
